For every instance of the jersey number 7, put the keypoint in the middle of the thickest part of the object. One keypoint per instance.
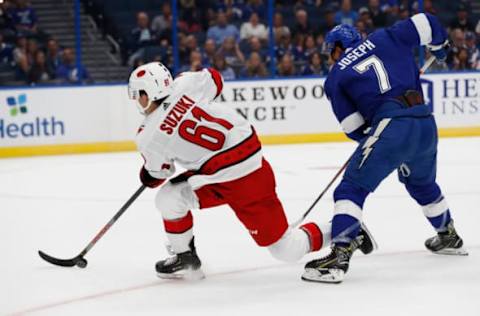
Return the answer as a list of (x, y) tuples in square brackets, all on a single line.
[(380, 71), (204, 136)]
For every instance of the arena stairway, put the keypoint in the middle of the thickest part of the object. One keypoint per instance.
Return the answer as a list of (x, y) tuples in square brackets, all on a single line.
[(99, 54)]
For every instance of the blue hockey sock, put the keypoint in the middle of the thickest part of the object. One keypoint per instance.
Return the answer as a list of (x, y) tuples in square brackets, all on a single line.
[(344, 229), (441, 221)]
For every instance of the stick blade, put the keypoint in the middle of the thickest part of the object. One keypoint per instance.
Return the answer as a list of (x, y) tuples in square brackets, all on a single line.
[(58, 262)]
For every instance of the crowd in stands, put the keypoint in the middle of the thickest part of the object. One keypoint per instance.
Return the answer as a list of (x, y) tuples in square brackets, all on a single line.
[(233, 35), (35, 57)]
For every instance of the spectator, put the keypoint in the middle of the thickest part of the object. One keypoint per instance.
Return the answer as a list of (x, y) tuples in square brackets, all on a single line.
[(220, 64), (208, 52), (279, 29), (32, 48), (379, 17), (231, 52), (460, 60), (366, 19), (302, 26), (462, 20), (360, 26), (256, 46), (428, 7), (195, 62), (190, 22), (24, 18), (255, 6), (253, 28), (20, 57), (68, 71), (310, 46), (6, 52), (233, 9), (140, 37), (163, 22), (404, 13), (254, 67), (316, 66), (190, 45), (346, 15), (298, 47), (472, 50), (286, 68), (222, 30), (6, 24), (39, 72), (54, 58), (284, 47), (328, 22), (457, 37)]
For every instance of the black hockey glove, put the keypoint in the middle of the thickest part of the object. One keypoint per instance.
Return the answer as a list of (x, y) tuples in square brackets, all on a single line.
[(148, 180), (440, 51)]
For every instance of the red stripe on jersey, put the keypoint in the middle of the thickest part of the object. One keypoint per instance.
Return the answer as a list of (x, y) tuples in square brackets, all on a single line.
[(232, 156), (217, 78), (180, 225), (314, 235)]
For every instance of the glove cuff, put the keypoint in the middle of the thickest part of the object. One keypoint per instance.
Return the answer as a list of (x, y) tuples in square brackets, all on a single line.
[(148, 180), (437, 47)]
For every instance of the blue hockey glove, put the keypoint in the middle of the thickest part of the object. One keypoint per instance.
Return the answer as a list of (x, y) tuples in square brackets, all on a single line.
[(440, 51)]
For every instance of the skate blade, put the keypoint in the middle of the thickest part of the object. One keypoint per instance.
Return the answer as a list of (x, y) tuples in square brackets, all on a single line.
[(452, 252), (374, 242), (324, 275), (187, 275)]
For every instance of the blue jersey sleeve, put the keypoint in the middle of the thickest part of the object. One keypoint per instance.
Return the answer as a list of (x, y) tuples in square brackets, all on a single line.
[(352, 122), (420, 29)]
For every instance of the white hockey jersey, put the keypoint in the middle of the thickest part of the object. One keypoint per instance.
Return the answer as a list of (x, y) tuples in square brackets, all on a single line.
[(200, 135)]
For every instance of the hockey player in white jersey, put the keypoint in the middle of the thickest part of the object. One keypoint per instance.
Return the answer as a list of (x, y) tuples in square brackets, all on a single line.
[(223, 158)]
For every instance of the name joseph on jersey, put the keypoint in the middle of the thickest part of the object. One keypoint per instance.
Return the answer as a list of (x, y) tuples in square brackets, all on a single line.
[(356, 53), (176, 114)]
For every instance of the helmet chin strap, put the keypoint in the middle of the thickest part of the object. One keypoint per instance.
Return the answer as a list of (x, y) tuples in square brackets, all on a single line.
[(143, 110)]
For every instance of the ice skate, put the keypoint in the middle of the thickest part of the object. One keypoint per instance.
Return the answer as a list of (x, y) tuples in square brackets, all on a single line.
[(447, 243), (331, 268), (367, 243), (185, 265)]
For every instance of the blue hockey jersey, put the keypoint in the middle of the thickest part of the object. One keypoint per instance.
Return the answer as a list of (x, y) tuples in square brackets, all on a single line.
[(378, 69)]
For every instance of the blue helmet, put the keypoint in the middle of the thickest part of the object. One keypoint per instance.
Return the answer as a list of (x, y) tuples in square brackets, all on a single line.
[(346, 34)]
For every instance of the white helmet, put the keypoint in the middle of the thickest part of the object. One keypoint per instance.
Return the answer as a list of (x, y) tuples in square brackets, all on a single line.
[(152, 78)]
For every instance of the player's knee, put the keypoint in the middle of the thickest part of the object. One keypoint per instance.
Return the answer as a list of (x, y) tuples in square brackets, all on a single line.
[(291, 247), (424, 194), (348, 190), (167, 202)]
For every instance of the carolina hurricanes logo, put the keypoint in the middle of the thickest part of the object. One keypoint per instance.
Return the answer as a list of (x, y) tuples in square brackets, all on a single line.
[(141, 73)]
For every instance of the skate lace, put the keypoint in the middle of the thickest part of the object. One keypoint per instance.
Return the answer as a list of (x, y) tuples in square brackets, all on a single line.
[(171, 260)]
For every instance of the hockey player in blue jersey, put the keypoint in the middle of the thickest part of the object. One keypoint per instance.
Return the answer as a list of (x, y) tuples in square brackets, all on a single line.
[(375, 92)]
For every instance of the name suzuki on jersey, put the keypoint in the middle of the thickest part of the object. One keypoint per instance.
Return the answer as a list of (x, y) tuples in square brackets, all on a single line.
[(176, 114), (356, 53)]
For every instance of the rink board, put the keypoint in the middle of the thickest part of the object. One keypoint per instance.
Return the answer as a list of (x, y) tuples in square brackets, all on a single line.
[(56, 120)]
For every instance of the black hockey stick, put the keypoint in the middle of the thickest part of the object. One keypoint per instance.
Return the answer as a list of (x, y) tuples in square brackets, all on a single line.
[(339, 172), (79, 260)]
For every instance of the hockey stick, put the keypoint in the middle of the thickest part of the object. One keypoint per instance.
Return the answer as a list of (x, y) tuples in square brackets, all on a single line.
[(427, 64), (79, 260), (339, 172)]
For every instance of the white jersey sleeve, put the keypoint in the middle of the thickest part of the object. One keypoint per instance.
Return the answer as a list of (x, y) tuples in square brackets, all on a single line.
[(203, 136), (206, 84)]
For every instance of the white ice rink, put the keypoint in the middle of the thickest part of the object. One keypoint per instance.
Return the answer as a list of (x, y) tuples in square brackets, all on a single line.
[(57, 204)]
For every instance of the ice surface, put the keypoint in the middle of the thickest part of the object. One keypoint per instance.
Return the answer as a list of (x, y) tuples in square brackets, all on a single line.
[(57, 204)]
